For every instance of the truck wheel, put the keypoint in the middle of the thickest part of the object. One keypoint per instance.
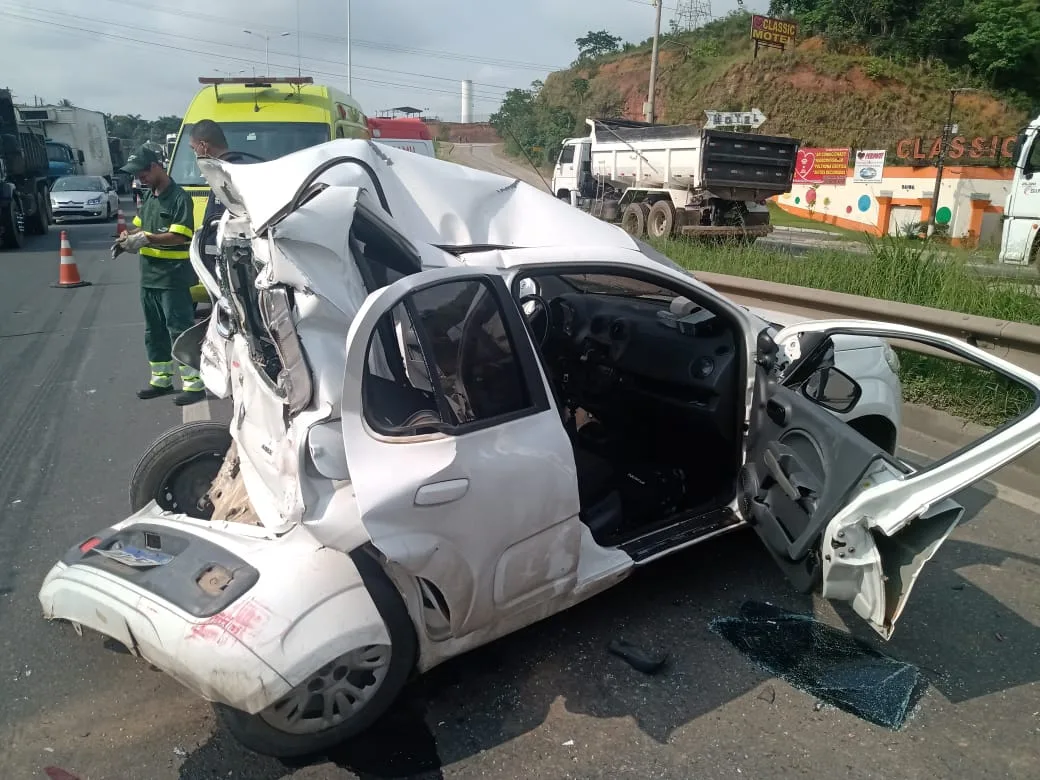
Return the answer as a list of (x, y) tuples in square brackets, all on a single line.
[(11, 236), (38, 224), (661, 219), (633, 221)]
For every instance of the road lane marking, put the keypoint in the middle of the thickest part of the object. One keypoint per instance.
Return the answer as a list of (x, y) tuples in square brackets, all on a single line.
[(197, 412)]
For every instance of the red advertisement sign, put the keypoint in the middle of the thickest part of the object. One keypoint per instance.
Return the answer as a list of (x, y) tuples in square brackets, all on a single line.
[(821, 166)]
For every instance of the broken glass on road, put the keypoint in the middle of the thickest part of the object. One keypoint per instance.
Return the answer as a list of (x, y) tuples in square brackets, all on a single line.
[(824, 662)]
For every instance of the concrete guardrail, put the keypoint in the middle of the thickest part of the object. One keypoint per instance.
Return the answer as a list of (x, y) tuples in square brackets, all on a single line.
[(1014, 341)]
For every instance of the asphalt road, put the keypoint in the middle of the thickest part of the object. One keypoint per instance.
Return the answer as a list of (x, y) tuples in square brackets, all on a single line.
[(548, 702)]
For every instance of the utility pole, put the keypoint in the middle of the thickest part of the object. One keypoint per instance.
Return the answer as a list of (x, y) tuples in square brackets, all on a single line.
[(648, 112), (350, 90), (944, 147)]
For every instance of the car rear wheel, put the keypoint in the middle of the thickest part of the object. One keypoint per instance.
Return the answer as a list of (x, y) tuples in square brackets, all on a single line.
[(179, 467), (346, 695)]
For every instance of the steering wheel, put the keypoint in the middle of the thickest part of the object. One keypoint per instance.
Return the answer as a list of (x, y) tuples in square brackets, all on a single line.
[(540, 303)]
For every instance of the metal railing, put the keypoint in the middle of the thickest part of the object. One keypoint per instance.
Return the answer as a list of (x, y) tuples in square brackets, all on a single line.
[(1014, 341)]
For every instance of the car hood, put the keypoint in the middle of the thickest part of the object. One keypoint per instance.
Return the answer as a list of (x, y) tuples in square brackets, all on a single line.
[(437, 202)]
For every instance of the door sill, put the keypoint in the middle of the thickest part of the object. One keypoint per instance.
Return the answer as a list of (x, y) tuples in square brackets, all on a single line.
[(683, 532)]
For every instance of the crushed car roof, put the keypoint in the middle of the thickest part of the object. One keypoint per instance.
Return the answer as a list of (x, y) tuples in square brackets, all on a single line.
[(434, 201)]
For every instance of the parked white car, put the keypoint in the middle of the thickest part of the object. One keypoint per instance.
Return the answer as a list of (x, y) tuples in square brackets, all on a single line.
[(461, 406), (83, 197)]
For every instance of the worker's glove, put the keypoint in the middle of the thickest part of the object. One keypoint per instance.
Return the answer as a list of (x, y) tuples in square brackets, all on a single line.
[(134, 241)]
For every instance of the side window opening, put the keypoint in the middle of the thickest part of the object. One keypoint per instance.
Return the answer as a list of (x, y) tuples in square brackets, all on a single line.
[(451, 363), (567, 154), (1034, 155)]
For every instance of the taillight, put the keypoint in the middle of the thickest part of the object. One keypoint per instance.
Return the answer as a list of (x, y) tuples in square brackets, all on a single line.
[(90, 544)]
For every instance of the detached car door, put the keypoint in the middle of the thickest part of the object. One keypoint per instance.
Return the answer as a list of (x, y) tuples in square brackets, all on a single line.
[(460, 464), (835, 511)]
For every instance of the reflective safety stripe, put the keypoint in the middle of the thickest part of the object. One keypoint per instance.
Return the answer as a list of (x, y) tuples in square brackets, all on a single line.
[(190, 379), (181, 230), (137, 222), (162, 374), (165, 254)]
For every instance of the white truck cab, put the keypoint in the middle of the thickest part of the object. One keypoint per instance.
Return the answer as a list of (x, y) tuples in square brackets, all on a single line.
[(1020, 243)]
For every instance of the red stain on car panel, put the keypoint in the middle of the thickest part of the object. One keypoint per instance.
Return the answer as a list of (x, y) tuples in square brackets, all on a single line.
[(238, 622)]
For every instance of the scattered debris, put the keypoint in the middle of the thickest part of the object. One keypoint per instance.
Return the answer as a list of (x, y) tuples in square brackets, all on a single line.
[(959, 586), (568, 743), (180, 752), (49, 750), (637, 658), (57, 773), (768, 694), (1000, 637), (828, 664)]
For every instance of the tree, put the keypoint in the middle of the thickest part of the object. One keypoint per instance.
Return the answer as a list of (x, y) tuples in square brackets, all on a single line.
[(1005, 44), (581, 88), (597, 44)]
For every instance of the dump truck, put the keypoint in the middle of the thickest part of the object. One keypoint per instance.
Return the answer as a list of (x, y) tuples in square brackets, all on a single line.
[(24, 195), (672, 180)]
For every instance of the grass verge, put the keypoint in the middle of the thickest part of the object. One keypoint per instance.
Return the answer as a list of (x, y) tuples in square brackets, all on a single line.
[(908, 272), (781, 218)]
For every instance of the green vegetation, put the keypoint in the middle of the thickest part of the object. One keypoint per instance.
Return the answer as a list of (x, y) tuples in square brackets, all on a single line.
[(777, 216), (859, 77), (909, 272), (998, 41), (135, 131)]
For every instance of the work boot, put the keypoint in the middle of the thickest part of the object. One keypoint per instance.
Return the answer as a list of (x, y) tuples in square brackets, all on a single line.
[(188, 397), (154, 391)]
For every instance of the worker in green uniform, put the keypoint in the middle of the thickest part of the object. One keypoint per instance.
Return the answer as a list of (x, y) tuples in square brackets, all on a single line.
[(161, 235)]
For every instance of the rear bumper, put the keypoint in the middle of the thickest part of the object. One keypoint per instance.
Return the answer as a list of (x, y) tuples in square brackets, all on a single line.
[(224, 670), (289, 606)]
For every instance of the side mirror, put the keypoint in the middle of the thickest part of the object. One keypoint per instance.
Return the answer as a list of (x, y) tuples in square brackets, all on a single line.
[(832, 389), (79, 156)]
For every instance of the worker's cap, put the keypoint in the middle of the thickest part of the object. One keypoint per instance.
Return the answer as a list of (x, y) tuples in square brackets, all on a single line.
[(140, 160)]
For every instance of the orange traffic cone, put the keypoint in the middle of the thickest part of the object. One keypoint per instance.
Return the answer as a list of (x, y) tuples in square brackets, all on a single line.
[(120, 223), (68, 273)]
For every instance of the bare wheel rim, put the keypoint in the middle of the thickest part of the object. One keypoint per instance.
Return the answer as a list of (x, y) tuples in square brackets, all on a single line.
[(186, 488), (332, 695)]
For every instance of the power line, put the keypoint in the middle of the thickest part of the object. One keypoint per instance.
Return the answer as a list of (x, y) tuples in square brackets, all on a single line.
[(196, 39), (153, 45), (381, 46)]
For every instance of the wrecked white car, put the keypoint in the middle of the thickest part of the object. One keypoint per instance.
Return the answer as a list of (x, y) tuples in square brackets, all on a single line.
[(461, 406)]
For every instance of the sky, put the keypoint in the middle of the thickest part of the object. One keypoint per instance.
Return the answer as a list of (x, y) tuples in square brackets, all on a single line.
[(145, 57)]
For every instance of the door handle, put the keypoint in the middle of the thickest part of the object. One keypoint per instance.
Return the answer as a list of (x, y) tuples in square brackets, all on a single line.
[(441, 492)]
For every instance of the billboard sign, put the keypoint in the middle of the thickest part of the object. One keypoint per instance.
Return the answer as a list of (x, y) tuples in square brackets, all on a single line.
[(821, 166), (775, 33), (869, 166)]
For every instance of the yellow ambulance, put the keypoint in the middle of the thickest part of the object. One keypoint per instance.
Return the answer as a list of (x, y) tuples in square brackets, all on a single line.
[(266, 118)]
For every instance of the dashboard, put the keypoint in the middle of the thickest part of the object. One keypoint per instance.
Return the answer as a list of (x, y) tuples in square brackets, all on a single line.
[(606, 344)]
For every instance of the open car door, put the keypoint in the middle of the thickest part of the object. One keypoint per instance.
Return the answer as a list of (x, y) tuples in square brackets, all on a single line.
[(836, 511)]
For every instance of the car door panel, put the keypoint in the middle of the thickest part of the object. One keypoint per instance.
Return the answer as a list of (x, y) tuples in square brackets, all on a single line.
[(487, 514), (835, 511)]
